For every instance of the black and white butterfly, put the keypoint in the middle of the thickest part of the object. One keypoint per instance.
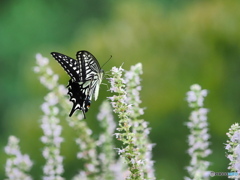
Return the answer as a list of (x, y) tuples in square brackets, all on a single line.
[(86, 77)]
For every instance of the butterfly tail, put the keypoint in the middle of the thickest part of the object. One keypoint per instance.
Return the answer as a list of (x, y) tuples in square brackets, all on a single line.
[(74, 108)]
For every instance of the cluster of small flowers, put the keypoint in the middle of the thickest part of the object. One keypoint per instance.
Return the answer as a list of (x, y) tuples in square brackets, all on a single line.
[(126, 105), (118, 102), (53, 168), (87, 149), (133, 88), (110, 167), (86, 144), (140, 127), (233, 149), (198, 138), (52, 140), (195, 97), (47, 77), (106, 120), (17, 164)]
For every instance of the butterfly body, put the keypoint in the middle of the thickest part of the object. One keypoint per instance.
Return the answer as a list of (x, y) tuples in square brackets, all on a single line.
[(86, 77)]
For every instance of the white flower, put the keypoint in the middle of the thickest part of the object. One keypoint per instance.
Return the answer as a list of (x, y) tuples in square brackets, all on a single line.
[(62, 90), (236, 137), (120, 151), (195, 97), (17, 165), (41, 61), (36, 69), (55, 78), (195, 87), (45, 108), (204, 92), (191, 96), (49, 71), (51, 99)]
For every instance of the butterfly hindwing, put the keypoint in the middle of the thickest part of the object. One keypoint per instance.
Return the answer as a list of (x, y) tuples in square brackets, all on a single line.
[(70, 65), (79, 97)]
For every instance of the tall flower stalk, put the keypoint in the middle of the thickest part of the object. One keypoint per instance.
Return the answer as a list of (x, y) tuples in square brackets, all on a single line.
[(140, 126), (129, 150), (126, 104), (233, 150), (111, 168), (17, 165), (52, 140), (198, 138)]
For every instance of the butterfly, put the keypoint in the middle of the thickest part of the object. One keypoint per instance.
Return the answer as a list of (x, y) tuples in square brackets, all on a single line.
[(86, 76)]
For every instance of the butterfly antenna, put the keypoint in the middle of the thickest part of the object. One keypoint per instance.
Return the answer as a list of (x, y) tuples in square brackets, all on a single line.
[(106, 61)]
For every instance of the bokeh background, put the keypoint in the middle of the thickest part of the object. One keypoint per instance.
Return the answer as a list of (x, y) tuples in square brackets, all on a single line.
[(178, 42)]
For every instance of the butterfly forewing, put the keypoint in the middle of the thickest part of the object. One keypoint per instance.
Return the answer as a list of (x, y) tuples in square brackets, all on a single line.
[(70, 65), (90, 65)]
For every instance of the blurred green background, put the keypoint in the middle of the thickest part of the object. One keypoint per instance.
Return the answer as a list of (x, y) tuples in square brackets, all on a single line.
[(178, 42)]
